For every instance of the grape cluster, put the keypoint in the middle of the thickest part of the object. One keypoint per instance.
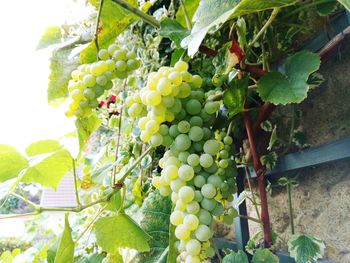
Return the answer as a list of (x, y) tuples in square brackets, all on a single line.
[(197, 167), (90, 81)]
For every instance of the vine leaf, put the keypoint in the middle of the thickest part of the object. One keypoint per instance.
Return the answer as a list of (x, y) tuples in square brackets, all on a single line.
[(120, 231), (234, 96), (264, 255), (305, 249), (191, 7), (153, 218), (11, 162), (224, 61), (173, 30), (61, 66), (113, 20), (345, 3), (42, 147), (85, 127), (290, 87), (212, 14), (269, 160), (50, 170), (325, 8), (65, 251), (236, 257), (51, 36)]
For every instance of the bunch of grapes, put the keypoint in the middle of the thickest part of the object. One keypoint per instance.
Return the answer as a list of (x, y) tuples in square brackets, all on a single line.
[(197, 167), (90, 81)]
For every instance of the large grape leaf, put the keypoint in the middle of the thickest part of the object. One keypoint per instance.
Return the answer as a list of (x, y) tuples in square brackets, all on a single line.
[(236, 257), (153, 218), (305, 249), (61, 67), (65, 251), (290, 87), (50, 170), (52, 35), (172, 29), (42, 147), (191, 7), (212, 14), (264, 255), (11, 162), (120, 231), (113, 20), (345, 3)]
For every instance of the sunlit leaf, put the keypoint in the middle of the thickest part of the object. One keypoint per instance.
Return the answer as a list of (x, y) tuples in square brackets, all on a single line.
[(65, 251), (11, 162), (52, 35), (42, 147)]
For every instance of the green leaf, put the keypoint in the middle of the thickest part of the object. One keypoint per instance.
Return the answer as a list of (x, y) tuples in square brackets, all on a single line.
[(264, 255), (65, 251), (115, 202), (212, 14), (154, 219), (325, 8), (242, 32), (11, 162), (224, 61), (52, 35), (345, 3), (173, 30), (50, 171), (234, 96), (61, 67), (137, 192), (42, 147), (290, 87), (269, 160), (172, 249), (191, 7), (6, 257), (236, 257), (113, 20), (120, 231), (94, 258), (176, 55), (305, 249), (51, 252), (85, 127)]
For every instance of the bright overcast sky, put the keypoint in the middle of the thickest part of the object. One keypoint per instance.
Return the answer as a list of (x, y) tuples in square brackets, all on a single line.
[(25, 115)]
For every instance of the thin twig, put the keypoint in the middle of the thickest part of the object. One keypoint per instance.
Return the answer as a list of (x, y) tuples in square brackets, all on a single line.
[(97, 26), (76, 183), (250, 218), (264, 28), (19, 215)]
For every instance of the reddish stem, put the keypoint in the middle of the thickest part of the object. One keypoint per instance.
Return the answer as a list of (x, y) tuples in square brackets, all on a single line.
[(264, 113), (208, 51), (260, 171), (255, 71)]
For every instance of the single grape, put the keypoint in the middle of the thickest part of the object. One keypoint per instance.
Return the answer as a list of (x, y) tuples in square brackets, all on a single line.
[(193, 159), (208, 191), (206, 160), (193, 247), (173, 130), (203, 233), (191, 221), (176, 184), (205, 217), (193, 207), (215, 180), (186, 172), (199, 181), (208, 204), (176, 218), (89, 94), (211, 147), (186, 194), (175, 78), (196, 121), (156, 140), (196, 134), (182, 142), (183, 126), (182, 232)]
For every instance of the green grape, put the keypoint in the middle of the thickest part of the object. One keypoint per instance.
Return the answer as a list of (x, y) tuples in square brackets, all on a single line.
[(232, 212), (197, 81), (186, 194), (197, 168), (198, 196), (135, 110), (186, 172), (212, 169), (210, 252), (182, 232), (215, 180), (196, 134), (183, 156), (193, 107), (108, 85), (224, 186), (174, 197), (175, 78), (181, 115), (77, 95), (103, 54), (84, 104), (228, 219), (152, 126), (203, 233), (223, 154), (211, 147), (112, 48), (130, 55), (167, 140), (89, 94), (206, 133), (208, 204), (208, 190), (93, 103), (196, 121), (183, 126), (211, 107), (191, 221), (185, 90), (164, 86), (120, 65), (228, 140), (182, 142), (219, 210), (98, 90), (181, 66), (89, 80), (205, 217), (199, 181), (132, 64), (165, 191), (176, 184), (101, 80), (193, 207), (156, 139), (206, 160), (119, 55), (168, 101), (177, 107), (193, 247), (172, 160), (193, 160), (192, 259), (163, 129), (198, 146), (223, 163), (176, 218)]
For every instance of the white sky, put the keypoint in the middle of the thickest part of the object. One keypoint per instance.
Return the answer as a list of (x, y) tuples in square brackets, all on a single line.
[(25, 115)]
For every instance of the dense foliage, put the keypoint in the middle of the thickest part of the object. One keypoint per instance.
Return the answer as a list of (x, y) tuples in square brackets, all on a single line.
[(163, 94)]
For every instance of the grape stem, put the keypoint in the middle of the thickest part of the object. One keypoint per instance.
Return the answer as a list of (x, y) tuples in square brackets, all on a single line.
[(75, 183), (97, 26)]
